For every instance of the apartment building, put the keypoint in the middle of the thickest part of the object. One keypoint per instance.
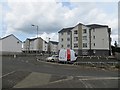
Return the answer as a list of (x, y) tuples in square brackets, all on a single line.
[(65, 39), (10, 43), (35, 45), (91, 39), (53, 47), (45, 46)]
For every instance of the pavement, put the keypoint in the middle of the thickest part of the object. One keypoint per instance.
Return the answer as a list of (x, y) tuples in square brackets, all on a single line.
[(27, 72)]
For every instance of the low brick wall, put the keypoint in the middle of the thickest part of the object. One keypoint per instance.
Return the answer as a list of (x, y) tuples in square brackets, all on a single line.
[(117, 55)]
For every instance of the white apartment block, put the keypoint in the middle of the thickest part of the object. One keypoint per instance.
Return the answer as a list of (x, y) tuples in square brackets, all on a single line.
[(65, 38), (91, 39), (35, 45), (45, 46), (80, 38), (10, 43), (53, 47)]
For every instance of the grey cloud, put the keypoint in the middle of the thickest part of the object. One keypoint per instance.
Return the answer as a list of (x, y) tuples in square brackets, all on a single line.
[(51, 17)]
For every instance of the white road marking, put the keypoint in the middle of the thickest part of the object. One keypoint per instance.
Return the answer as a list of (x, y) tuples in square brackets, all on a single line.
[(102, 78), (86, 84), (83, 76), (7, 74), (69, 78)]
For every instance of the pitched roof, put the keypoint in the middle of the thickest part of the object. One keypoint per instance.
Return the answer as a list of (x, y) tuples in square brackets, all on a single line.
[(54, 42), (32, 39), (65, 29), (69, 28), (9, 36), (96, 26)]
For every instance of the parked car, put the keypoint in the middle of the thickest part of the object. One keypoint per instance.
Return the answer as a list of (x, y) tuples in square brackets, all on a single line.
[(53, 58)]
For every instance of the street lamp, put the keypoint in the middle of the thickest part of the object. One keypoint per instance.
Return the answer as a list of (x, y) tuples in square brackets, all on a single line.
[(37, 33), (49, 46), (37, 29)]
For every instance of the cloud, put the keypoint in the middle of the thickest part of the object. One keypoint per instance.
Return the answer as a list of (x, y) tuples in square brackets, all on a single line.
[(45, 36), (114, 38), (52, 36), (52, 17), (48, 16)]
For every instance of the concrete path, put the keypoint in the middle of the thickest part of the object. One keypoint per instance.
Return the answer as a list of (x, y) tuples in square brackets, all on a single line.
[(34, 79)]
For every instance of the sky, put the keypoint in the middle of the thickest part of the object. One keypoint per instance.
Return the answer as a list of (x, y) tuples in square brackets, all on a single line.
[(17, 16)]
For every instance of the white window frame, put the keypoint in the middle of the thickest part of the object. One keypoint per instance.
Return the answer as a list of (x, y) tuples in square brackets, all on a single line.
[(84, 37), (75, 45), (84, 45), (75, 39), (76, 32)]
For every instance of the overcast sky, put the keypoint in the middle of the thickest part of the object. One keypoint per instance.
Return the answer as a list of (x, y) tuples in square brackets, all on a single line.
[(18, 15)]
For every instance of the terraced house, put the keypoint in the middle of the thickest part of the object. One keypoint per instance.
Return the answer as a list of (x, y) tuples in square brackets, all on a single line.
[(91, 39)]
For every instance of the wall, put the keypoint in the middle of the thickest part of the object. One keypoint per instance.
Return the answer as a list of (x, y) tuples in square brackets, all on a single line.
[(64, 42), (101, 38), (45, 46), (74, 35), (53, 48), (26, 45), (11, 44), (39, 45), (85, 34)]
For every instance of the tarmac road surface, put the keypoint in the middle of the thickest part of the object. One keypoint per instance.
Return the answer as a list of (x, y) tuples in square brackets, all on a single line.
[(27, 72)]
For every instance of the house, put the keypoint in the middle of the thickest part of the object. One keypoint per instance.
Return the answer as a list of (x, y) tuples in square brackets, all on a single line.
[(35, 45), (10, 43), (91, 39), (53, 47)]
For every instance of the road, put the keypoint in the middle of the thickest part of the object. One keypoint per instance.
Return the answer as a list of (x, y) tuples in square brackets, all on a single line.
[(28, 72)]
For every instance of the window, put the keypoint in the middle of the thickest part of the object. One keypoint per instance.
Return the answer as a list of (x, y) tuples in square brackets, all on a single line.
[(68, 45), (68, 39), (84, 37), (93, 30), (84, 31), (75, 39), (94, 44), (93, 37), (61, 39), (84, 45), (75, 45), (62, 33), (61, 46), (75, 32), (17, 41)]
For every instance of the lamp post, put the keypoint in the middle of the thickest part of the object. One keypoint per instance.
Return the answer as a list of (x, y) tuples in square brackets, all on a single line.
[(49, 46), (37, 28), (37, 33)]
